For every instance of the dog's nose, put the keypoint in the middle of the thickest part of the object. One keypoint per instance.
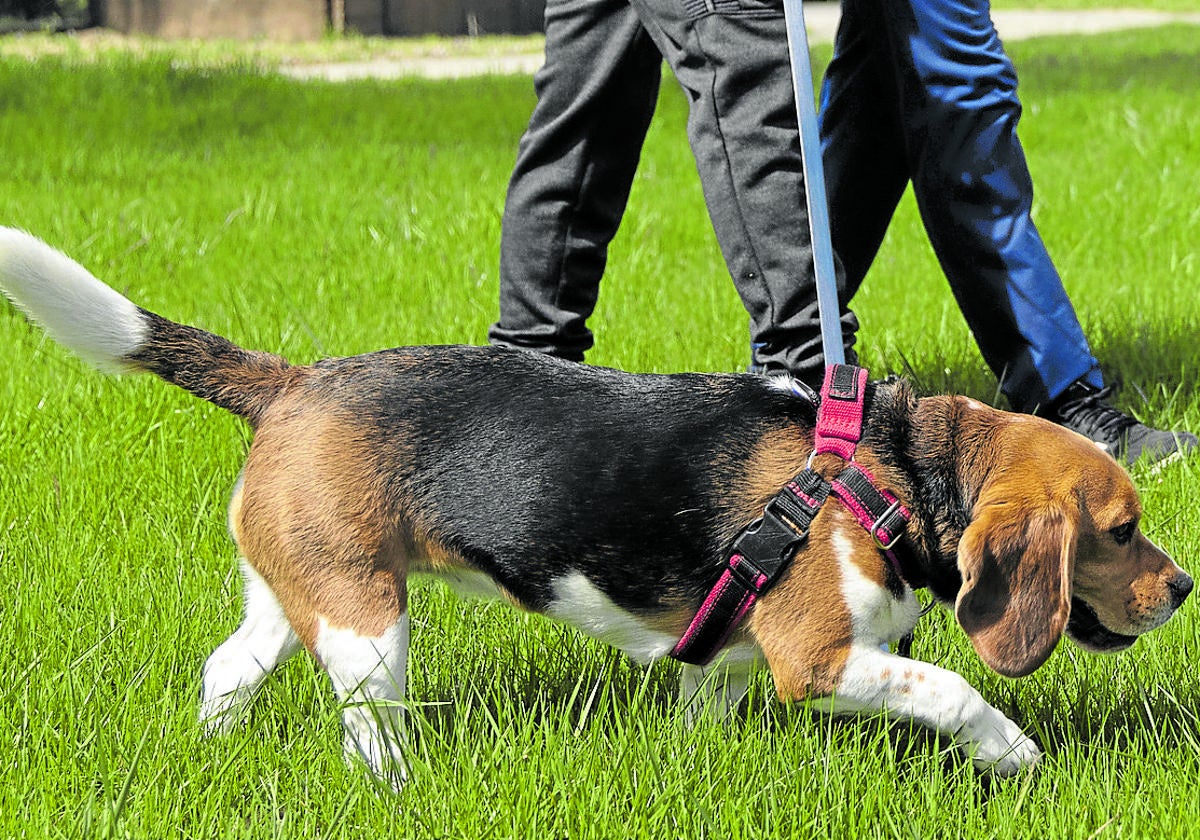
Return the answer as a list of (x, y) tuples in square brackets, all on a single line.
[(1181, 587)]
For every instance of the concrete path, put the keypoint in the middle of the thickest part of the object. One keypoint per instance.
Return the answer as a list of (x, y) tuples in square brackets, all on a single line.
[(821, 18)]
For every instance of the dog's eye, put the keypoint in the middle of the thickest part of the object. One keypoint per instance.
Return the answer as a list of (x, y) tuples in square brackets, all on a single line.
[(1124, 533)]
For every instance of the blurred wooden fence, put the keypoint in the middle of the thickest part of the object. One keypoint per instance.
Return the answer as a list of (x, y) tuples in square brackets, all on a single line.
[(444, 17), (307, 19)]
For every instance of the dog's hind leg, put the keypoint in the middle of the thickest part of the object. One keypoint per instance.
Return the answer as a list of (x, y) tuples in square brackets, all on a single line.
[(235, 670), (351, 614), (315, 517), (350, 611), (368, 672)]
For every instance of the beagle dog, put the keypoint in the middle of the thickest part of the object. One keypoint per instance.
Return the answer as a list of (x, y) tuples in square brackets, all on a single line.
[(607, 500)]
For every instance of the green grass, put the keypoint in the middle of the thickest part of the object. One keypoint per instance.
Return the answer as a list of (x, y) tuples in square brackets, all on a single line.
[(102, 43), (319, 219)]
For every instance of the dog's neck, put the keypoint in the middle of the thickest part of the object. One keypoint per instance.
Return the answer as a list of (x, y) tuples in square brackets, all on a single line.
[(931, 447)]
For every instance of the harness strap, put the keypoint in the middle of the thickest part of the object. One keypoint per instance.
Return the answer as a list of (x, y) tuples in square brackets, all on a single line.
[(758, 556), (839, 429), (876, 509), (840, 414)]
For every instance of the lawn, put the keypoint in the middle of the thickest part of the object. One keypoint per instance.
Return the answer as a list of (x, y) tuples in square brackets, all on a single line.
[(320, 220)]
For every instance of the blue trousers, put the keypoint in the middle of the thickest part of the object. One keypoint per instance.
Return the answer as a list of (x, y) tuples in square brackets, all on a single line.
[(922, 91)]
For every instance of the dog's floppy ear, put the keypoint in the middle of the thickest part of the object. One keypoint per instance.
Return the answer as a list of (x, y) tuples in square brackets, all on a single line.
[(1016, 560)]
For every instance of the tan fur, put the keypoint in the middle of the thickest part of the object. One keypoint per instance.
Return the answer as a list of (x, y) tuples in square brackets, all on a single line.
[(776, 459), (802, 626), (1016, 562), (313, 520), (1126, 585)]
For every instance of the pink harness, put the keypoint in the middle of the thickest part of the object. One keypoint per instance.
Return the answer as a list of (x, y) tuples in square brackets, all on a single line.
[(763, 549), (839, 429)]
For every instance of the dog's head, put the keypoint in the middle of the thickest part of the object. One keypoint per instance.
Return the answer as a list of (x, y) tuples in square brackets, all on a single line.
[(1054, 545)]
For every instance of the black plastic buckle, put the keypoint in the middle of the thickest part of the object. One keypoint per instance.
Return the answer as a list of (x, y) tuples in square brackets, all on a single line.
[(746, 572), (765, 548)]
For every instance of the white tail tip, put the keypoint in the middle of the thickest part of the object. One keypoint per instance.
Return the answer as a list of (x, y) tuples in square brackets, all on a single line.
[(68, 302)]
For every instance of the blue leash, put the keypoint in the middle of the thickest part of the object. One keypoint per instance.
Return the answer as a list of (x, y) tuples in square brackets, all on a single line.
[(814, 180)]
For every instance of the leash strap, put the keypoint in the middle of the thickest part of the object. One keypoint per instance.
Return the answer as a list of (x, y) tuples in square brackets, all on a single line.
[(757, 557), (828, 309)]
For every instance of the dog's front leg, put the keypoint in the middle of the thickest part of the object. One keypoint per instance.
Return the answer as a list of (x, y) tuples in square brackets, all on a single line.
[(874, 680), (714, 691)]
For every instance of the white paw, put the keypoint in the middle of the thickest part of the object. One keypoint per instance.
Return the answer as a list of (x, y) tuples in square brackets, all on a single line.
[(999, 746), (220, 715), (374, 735), (384, 759)]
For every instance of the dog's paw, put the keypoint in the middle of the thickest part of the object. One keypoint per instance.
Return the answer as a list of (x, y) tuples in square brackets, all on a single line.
[(383, 759), (221, 714), (999, 746)]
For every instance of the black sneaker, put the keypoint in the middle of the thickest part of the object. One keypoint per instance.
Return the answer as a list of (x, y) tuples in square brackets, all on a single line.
[(1082, 408)]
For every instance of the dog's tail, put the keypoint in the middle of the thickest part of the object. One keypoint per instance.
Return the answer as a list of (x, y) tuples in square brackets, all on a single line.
[(104, 328)]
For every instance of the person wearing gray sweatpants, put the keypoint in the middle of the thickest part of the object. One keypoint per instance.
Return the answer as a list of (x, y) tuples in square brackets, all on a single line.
[(575, 164), (596, 95)]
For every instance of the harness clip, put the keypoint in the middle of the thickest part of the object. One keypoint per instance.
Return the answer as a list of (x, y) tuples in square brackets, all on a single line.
[(764, 548), (881, 524), (747, 573)]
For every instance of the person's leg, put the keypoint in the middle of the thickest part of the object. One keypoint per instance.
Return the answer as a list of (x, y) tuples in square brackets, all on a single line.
[(958, 96), (575, 164), (862, 140), (731, 58)]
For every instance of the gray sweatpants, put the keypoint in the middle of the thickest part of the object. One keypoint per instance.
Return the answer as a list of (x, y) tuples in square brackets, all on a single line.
[(596, 94)]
